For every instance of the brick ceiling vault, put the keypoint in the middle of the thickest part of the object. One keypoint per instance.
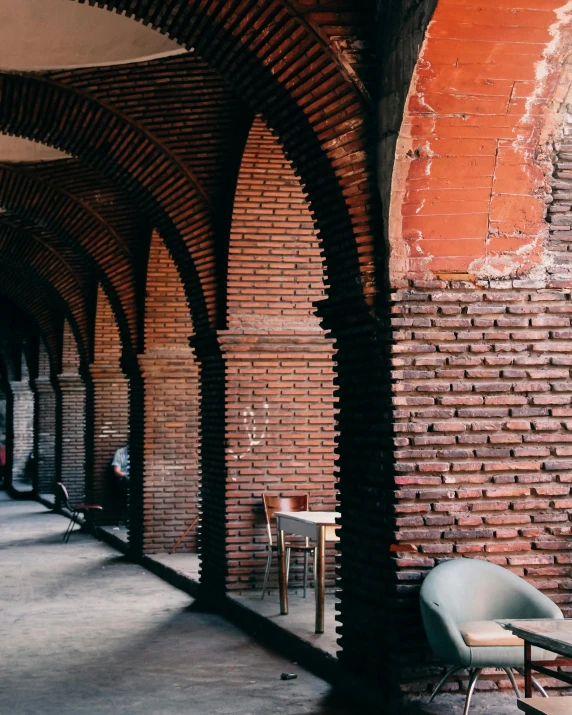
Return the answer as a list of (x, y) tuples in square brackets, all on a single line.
[(58, 213), (42, 304), (157, 145)]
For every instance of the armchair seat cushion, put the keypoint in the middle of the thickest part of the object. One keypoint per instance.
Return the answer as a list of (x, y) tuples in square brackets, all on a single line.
[(487, 633)]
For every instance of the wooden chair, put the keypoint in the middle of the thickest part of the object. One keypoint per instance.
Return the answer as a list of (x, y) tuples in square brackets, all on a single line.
[(272, 504), (62, 498)]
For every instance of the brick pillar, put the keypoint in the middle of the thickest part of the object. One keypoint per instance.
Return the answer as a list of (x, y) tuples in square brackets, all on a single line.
[(171, 441), (369, 586), (22, 425), (212, 463), (280, 438), (45, 435), (110, 429), (72, 459)]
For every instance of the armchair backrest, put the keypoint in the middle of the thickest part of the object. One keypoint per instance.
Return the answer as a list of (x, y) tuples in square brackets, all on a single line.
[(473, 590)]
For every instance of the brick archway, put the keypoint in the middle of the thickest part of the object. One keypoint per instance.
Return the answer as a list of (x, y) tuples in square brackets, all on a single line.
[(280, 381), (82, 230), (170, 376)]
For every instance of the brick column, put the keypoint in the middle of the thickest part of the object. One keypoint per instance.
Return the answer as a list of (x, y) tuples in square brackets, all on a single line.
[(171, 442), (212, 463), (45, 435), (365, 472), (110, 429), (22, 425), (279, 436), (72, 420)]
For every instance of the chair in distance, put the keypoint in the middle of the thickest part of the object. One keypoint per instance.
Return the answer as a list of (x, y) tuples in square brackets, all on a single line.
[(62, 498), (272, 504)]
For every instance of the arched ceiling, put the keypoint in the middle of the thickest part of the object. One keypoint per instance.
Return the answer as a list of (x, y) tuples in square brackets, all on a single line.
[(43, 34), (112, 130)]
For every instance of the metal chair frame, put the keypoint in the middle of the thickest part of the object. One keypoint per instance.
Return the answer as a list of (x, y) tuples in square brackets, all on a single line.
[(85, 510), (272, 504)]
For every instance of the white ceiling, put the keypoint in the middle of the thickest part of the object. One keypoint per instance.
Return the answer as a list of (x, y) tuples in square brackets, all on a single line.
[(43, 34), (52, 34)]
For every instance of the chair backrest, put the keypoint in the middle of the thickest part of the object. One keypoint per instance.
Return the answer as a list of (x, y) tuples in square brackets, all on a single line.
[(62, 496), (274, 503), (475, 590)]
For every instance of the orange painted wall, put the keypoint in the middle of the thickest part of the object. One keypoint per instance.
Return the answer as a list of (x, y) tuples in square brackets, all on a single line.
[(469, 179)]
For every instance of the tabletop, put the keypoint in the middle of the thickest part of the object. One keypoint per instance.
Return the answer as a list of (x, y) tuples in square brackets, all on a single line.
[(554, 634), (319, 518)]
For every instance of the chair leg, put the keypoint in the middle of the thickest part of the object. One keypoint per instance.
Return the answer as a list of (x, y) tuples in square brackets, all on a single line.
[(287, 567), (535, 684), (267, 573), (512, 679), (305, 571), (70, 527), (443, 680), (472, 682), (65, 536)]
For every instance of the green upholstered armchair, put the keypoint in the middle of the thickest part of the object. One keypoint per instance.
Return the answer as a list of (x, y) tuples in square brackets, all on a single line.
[(461, 602)]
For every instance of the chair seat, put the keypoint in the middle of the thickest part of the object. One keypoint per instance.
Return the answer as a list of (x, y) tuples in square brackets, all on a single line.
[(87, 507), (487, 633), (546, 706)]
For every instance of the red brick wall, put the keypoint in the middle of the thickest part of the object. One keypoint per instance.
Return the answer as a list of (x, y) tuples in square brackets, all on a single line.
[(45, 425), (481, 311), (110, 401), (22, 421), (279, 400), (72, 420), (171, 472)]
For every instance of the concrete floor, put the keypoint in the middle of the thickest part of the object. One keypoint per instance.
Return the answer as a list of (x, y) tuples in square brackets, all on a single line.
[(85, 631)]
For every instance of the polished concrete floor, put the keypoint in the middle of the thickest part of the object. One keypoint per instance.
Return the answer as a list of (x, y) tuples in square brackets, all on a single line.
[(83, 630)]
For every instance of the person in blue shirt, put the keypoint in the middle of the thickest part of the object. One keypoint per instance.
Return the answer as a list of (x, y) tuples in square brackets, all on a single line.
[(120, 465)]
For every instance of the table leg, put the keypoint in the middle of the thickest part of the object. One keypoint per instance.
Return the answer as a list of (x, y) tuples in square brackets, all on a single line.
[(282, 569), (320, 578), (527, 671)]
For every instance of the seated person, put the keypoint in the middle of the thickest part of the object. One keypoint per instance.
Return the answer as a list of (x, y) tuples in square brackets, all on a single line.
[(120, 465)]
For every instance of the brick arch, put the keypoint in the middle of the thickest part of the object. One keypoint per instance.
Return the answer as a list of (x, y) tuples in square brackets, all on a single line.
[(171, 385), (20, 248), (34, 294), (280, 377), (74, 224), (108, 142), (287, 76), (276, 71)]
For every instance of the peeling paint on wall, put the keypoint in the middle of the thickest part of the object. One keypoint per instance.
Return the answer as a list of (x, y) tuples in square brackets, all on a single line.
[(471, 173)]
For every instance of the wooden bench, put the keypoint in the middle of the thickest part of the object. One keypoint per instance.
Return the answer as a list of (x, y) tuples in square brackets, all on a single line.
[(546, 706)]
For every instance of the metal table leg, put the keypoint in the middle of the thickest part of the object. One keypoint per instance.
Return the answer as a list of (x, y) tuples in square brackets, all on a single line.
[(527, 671), (320, 578), (282, 571)]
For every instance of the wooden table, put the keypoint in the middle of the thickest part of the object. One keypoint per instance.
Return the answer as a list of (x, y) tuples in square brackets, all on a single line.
[(320, 526), (552, 634)]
